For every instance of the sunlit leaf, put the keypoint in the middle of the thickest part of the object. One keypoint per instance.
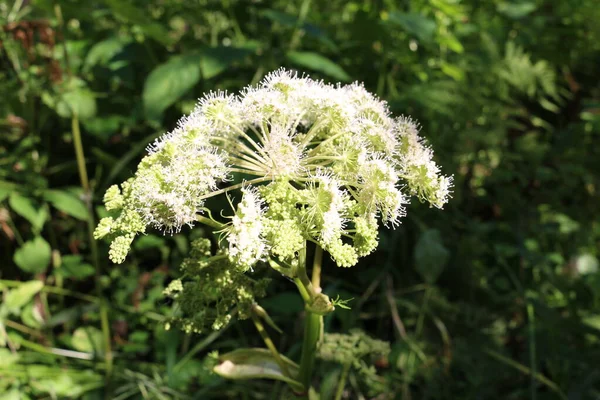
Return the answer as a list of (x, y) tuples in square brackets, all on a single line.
[(516, 10), (27, 209), (67, 203), (169, 81), (16, 298), (34, 256), (88, 340)]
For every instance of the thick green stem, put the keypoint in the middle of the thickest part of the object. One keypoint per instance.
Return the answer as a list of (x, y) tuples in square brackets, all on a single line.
[(312, 333), (313, 324)]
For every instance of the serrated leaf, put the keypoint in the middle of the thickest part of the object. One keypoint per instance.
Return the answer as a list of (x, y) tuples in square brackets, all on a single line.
[(16, 298), (67, 203), (254, 364), (319, 63), (430, 255), (34, 256), (26, 209)]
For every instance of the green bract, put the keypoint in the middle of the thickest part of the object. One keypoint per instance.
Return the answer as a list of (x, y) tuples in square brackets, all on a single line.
[(330, 162)]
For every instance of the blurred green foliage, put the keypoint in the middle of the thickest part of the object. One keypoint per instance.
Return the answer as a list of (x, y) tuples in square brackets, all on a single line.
[(496, 297)]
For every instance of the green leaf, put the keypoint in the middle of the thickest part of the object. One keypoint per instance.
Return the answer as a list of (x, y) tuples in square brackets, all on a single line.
[(319, 63), (6, 188), (169, 81), (72, 266), (88, 339), (67, 203), (255, 364), (430, 255), (215, 60), (26, 209), (516, 10), (102, 52), (16, 298), (418, 25), (79, 101), (34, 256)]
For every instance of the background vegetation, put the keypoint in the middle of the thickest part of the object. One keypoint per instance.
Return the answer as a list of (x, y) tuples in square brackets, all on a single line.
[(496, 297)]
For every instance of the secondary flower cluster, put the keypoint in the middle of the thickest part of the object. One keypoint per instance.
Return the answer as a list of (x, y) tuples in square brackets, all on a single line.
[(313, 162)]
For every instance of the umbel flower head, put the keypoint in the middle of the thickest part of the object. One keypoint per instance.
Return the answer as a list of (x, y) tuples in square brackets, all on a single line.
[(314, 162)]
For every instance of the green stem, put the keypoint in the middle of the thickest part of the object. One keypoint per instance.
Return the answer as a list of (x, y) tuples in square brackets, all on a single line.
[(313, 325), (312, 332), (342, 382), (209, 222), (87, 195)]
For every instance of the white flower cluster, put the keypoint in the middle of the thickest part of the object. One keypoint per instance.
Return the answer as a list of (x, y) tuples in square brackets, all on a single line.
[(331, 162), (245, 235)]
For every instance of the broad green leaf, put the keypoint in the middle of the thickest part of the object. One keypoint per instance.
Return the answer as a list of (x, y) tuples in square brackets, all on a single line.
[(79, 101), (215, 60), (102, 52), (26, 209), (34, 256), (67, 203), (88, 339), (319, 63), (255, 364), (430, 255), (72, 266), (16, 298), (103, 127), (169, 81), (417, 24)]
